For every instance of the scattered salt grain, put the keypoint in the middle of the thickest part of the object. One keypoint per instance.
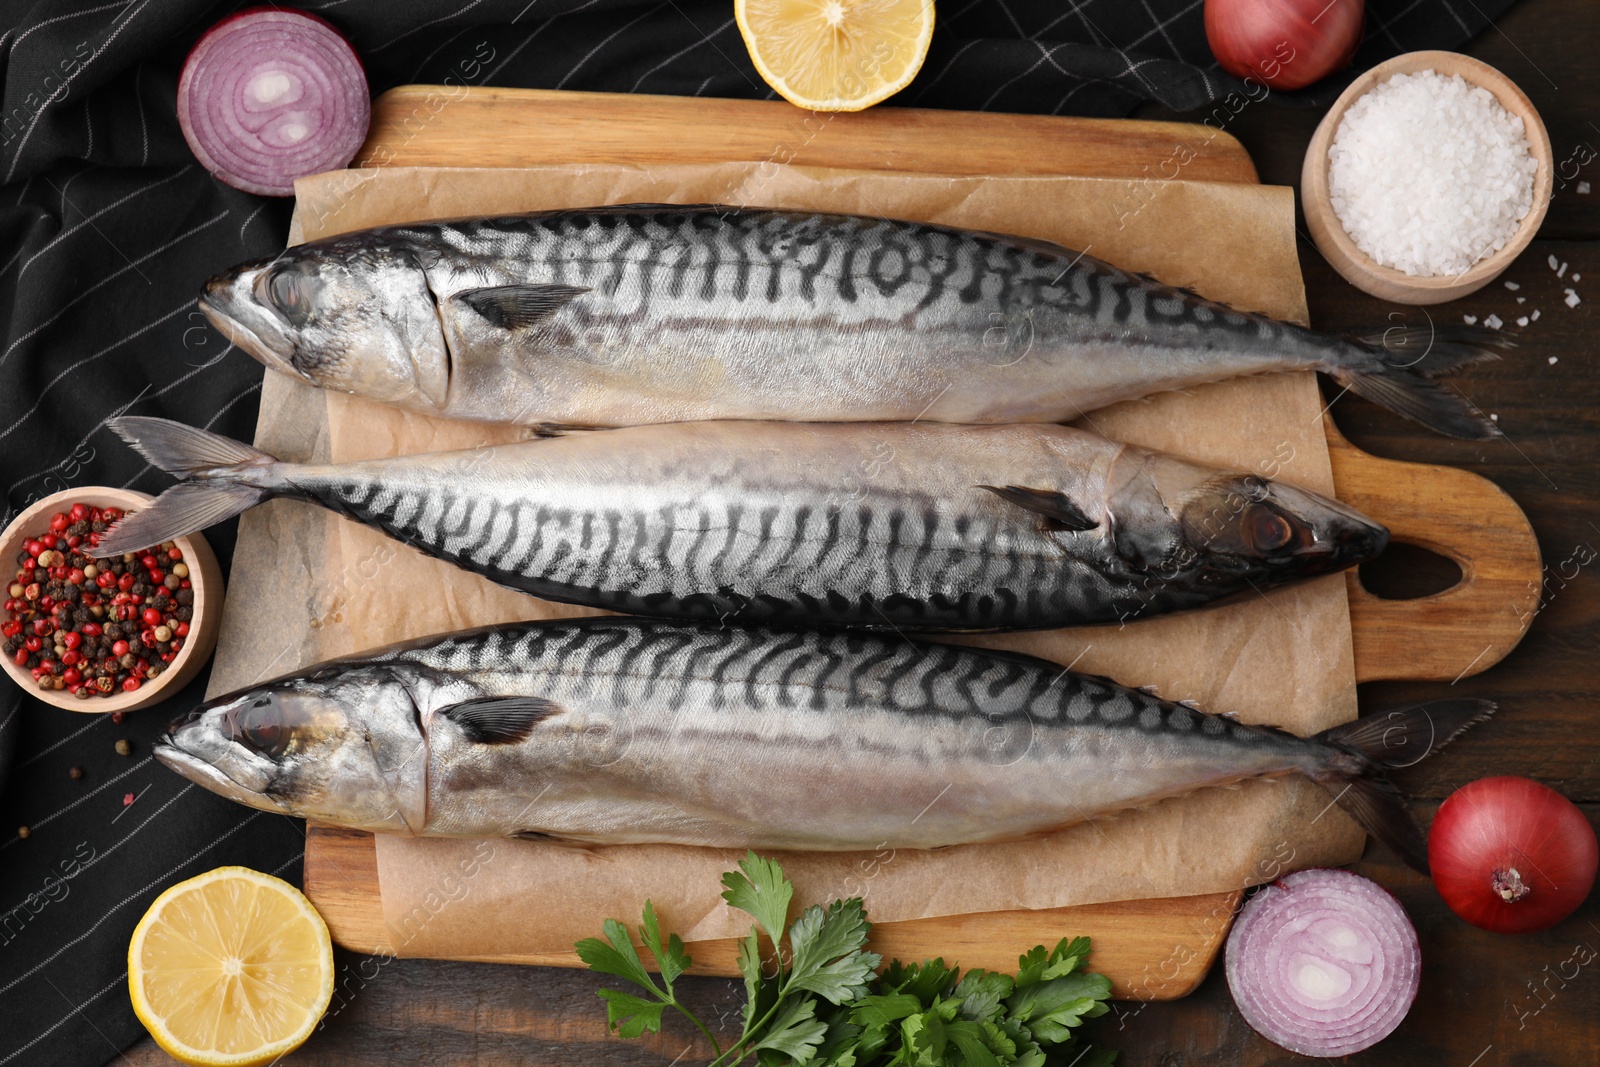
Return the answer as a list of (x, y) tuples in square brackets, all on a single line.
[(1561, 270), (1576, 276), (1552, 261), (1523, 321), (1429, 174), (1522, 300), (1554, 360), (1535, 316), (1493, 417), (1513, 286), (1583, 187), (1470, 320), (1572, 299), (1493, 322)]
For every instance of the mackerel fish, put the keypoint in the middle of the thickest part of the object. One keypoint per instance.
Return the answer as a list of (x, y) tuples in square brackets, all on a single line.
[(616, 316), (918, 526), (619, 731)]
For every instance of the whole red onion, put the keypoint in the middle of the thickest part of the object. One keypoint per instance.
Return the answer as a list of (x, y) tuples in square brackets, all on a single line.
[(1288, 44), (1512, 855)]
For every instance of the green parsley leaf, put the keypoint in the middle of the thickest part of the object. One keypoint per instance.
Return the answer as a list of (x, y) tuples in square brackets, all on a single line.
[(631, 1016), (750, 968), (828, 956), (1050, 1009), (925, 980), (1066, 956), (619, 957), (880, 1010), (795, 1031), (968, 1038), (762, 891), (670, 958), (925, 1034), (981, 993)]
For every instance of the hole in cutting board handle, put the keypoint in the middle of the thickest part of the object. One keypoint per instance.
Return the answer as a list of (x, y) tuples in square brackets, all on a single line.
[(1409, 572)]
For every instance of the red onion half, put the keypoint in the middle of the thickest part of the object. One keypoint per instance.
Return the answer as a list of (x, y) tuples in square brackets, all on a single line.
[(1323, 963), (271, 95)]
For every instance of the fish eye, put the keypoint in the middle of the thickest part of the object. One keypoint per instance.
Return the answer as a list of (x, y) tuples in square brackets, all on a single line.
[(262, 727), (290, 293), (1266, 529)]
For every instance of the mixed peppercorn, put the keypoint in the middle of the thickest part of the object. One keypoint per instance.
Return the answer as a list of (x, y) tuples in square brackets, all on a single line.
[(95, 627)]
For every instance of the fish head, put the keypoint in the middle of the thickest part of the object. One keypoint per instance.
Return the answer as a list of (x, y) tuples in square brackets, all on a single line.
[(342, 315), (1210, 529), (345, 747)]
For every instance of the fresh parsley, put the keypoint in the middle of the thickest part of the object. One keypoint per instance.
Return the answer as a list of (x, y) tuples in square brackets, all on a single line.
[(824, 1003)]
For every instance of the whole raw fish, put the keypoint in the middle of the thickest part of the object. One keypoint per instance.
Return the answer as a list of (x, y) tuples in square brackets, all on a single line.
[(616, 731), (918, 526), (616, 316)]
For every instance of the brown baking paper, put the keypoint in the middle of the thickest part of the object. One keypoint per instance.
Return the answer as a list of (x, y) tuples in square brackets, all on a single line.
[(1283, 658)]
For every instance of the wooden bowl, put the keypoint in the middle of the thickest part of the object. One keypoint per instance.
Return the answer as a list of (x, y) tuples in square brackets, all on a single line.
[(205, 577), (1386, 283)]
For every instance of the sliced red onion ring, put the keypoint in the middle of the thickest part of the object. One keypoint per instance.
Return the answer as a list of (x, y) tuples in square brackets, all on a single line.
[(270, 95), (1323, 963)]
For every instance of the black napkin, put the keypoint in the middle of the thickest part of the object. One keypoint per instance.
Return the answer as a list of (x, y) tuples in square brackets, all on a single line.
[(107, 229)]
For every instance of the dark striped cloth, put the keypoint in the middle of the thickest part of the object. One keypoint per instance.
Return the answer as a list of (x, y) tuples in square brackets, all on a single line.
[(107, 229)]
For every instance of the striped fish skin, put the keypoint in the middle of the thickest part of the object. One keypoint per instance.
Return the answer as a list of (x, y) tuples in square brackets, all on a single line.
[(617, 731), (646, 313), (876, 526)]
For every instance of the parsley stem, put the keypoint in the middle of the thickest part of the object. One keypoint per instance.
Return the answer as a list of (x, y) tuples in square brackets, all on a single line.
[(693, 1018)]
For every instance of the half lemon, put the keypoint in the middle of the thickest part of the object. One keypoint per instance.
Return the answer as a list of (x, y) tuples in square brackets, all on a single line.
[(230, 968), (836, 55)]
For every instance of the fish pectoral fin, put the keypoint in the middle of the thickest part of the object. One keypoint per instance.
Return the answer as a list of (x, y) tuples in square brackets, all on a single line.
[(1054, 505), (499, 720), (511, 307)]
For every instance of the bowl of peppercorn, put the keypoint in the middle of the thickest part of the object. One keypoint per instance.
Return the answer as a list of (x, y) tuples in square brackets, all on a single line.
[(91, 634)]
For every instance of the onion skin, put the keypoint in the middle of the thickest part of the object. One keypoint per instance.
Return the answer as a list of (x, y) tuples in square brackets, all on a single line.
[(1512, 855), (1288, 44)]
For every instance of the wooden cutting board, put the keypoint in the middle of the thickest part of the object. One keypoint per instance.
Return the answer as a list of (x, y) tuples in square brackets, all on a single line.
[(1152, 949)]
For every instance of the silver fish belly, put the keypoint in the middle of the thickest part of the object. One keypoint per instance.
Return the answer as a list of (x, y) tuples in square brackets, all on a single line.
[(928, 526), (625, 315), (621, 731)]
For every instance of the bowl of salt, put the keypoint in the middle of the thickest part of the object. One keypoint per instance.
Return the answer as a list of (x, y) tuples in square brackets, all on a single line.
[(1426, 178)]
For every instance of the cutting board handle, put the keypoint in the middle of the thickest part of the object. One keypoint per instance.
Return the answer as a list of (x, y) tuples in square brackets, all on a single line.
[(1464, 517)]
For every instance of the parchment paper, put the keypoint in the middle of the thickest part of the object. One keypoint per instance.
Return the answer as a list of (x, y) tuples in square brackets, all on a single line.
[(1283, 658)]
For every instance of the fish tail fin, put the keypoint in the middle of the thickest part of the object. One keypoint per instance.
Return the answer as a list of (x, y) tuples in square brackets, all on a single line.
[(1387, 740), (1398, 369), (221, 478)]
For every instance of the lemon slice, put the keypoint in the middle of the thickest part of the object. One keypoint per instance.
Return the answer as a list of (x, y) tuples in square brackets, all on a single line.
[(836, 55), (230, 968)]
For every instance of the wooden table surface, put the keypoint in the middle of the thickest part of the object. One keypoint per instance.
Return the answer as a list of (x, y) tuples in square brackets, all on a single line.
[(1486, 999)]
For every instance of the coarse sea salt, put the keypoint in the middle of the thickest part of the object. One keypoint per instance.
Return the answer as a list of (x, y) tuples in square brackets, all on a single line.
[(1429, 173), (1493, 322)]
